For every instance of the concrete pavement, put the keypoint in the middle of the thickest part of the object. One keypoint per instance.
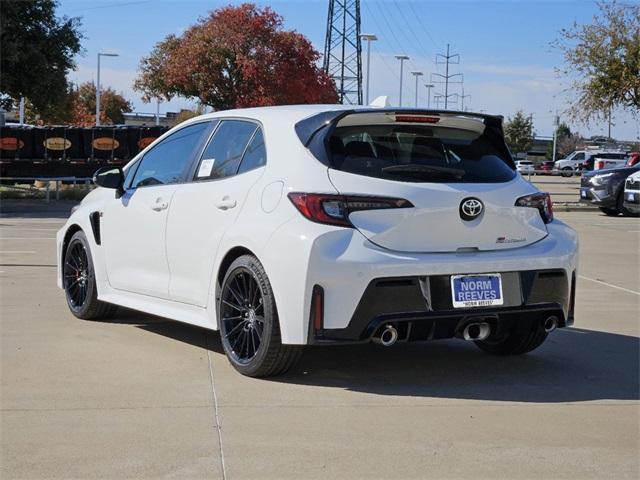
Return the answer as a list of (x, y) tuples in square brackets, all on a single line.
[(140, 397)]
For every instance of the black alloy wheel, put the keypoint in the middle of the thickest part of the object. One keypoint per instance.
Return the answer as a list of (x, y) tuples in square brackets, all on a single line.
[(249, 324), (79, 281), (76, 274), (242, 315)]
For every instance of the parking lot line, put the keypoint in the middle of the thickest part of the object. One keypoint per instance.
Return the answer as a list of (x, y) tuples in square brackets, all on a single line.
[(609, 285), (218, 425)]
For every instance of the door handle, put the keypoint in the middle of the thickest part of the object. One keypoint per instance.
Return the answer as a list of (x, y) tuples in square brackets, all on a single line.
[(226, 203), (159, 206)]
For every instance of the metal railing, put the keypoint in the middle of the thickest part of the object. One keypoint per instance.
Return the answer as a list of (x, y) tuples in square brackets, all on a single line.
[(86, 182)]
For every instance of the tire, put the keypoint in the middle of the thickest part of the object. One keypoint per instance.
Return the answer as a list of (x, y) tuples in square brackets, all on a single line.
[(612, 212), (79, 281), (623, 210), (249, 327), (523, 339), (567, 172)]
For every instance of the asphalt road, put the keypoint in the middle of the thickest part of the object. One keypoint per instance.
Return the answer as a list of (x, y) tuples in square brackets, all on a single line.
[(140, 397)]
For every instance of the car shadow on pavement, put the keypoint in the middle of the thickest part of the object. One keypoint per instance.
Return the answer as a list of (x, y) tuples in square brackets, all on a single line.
[(572, 365)]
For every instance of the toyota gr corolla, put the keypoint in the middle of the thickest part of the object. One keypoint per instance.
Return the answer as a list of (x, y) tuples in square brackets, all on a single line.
[(313, 225)]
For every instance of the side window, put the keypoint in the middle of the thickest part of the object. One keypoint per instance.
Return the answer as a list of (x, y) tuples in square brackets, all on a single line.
[(579, 156), (222, 156), (166, 162), (256, 155)]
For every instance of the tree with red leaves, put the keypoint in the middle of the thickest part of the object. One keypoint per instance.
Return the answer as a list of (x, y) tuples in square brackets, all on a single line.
[(236, 57)]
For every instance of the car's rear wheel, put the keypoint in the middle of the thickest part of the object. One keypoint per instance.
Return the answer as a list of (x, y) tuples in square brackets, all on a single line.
[(567, 172), (249, 326), (612, 212), (525, 338), (79, 281)]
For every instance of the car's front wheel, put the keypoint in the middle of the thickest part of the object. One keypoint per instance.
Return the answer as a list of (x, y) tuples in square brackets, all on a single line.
[(567, 172), (249, 326), (522, 339), (79, 281), (612, 212)]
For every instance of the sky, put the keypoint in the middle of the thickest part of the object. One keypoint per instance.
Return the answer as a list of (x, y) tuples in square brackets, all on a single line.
[(506, 60)]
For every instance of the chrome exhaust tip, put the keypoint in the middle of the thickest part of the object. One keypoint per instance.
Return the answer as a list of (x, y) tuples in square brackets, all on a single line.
[(550, 324), (476, 331), (387, 337)]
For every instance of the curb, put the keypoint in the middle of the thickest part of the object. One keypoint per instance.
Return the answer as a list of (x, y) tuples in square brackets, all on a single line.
[(563, 207)]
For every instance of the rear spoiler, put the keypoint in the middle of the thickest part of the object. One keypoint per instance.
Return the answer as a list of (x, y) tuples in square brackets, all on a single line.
[(308, 128)]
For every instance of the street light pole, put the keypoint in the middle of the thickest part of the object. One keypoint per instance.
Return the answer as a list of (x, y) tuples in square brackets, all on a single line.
[(369, 37), (556, 123), (98, 85), (417, 75), (402, 58), (429, 87)]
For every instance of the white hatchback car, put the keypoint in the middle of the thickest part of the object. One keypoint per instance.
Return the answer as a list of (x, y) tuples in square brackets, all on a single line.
[(325, 224)]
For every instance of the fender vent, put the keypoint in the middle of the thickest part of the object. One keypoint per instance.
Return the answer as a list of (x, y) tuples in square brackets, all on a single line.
[(95, 226)]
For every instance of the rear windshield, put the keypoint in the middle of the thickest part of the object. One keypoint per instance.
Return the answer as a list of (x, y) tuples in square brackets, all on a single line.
[(418, 153)]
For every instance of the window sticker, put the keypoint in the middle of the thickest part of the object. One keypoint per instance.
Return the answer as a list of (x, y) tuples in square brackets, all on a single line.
[(205, 167)]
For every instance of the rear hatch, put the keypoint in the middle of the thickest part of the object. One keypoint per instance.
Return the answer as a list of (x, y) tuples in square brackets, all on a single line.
[(454, 169)]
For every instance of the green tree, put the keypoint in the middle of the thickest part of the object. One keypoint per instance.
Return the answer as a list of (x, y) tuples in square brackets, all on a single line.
[(237, 56), (603, 61), (518, 132), (38, 51)]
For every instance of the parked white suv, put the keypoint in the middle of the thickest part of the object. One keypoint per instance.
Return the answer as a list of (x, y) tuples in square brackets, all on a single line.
[(315, 225)]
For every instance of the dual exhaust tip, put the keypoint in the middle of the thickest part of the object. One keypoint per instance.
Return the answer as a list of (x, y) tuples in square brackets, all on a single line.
[(474, 331)]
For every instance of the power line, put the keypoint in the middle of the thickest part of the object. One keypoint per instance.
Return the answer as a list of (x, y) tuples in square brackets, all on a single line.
[(112, 5), (410, 28), (422, 23), (389, 17)]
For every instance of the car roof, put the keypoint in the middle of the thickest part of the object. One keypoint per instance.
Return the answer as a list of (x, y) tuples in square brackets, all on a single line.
[(295, 113)]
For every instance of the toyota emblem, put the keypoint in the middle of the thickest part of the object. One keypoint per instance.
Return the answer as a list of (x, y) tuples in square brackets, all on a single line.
[(471, 208)]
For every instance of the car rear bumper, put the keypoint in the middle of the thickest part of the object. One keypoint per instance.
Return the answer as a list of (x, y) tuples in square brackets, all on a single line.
[(420, 308), (343, 263)]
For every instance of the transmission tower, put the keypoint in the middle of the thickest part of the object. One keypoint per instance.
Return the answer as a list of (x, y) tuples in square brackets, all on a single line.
[(343, 50), (448, 59)]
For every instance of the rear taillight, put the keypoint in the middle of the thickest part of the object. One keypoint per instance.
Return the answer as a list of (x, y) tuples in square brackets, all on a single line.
[(335, 209), (541, 201), (599, 165)]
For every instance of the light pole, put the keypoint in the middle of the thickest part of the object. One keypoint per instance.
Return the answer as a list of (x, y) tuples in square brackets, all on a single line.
[(556, 123), (429, 87), (369, 37), (402, 58), (417, 75), (98, 85)]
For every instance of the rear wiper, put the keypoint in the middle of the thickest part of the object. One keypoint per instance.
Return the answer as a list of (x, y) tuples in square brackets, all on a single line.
[(424, 169)]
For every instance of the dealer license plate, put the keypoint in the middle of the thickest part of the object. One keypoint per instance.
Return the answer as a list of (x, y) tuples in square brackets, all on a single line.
[(583, 193), (476, 290), (631, 197)]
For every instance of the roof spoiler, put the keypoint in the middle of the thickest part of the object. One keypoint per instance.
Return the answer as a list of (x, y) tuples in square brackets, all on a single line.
[(307, 128)]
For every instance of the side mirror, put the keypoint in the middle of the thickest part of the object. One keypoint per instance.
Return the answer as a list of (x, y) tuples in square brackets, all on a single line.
[(110, 177)]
